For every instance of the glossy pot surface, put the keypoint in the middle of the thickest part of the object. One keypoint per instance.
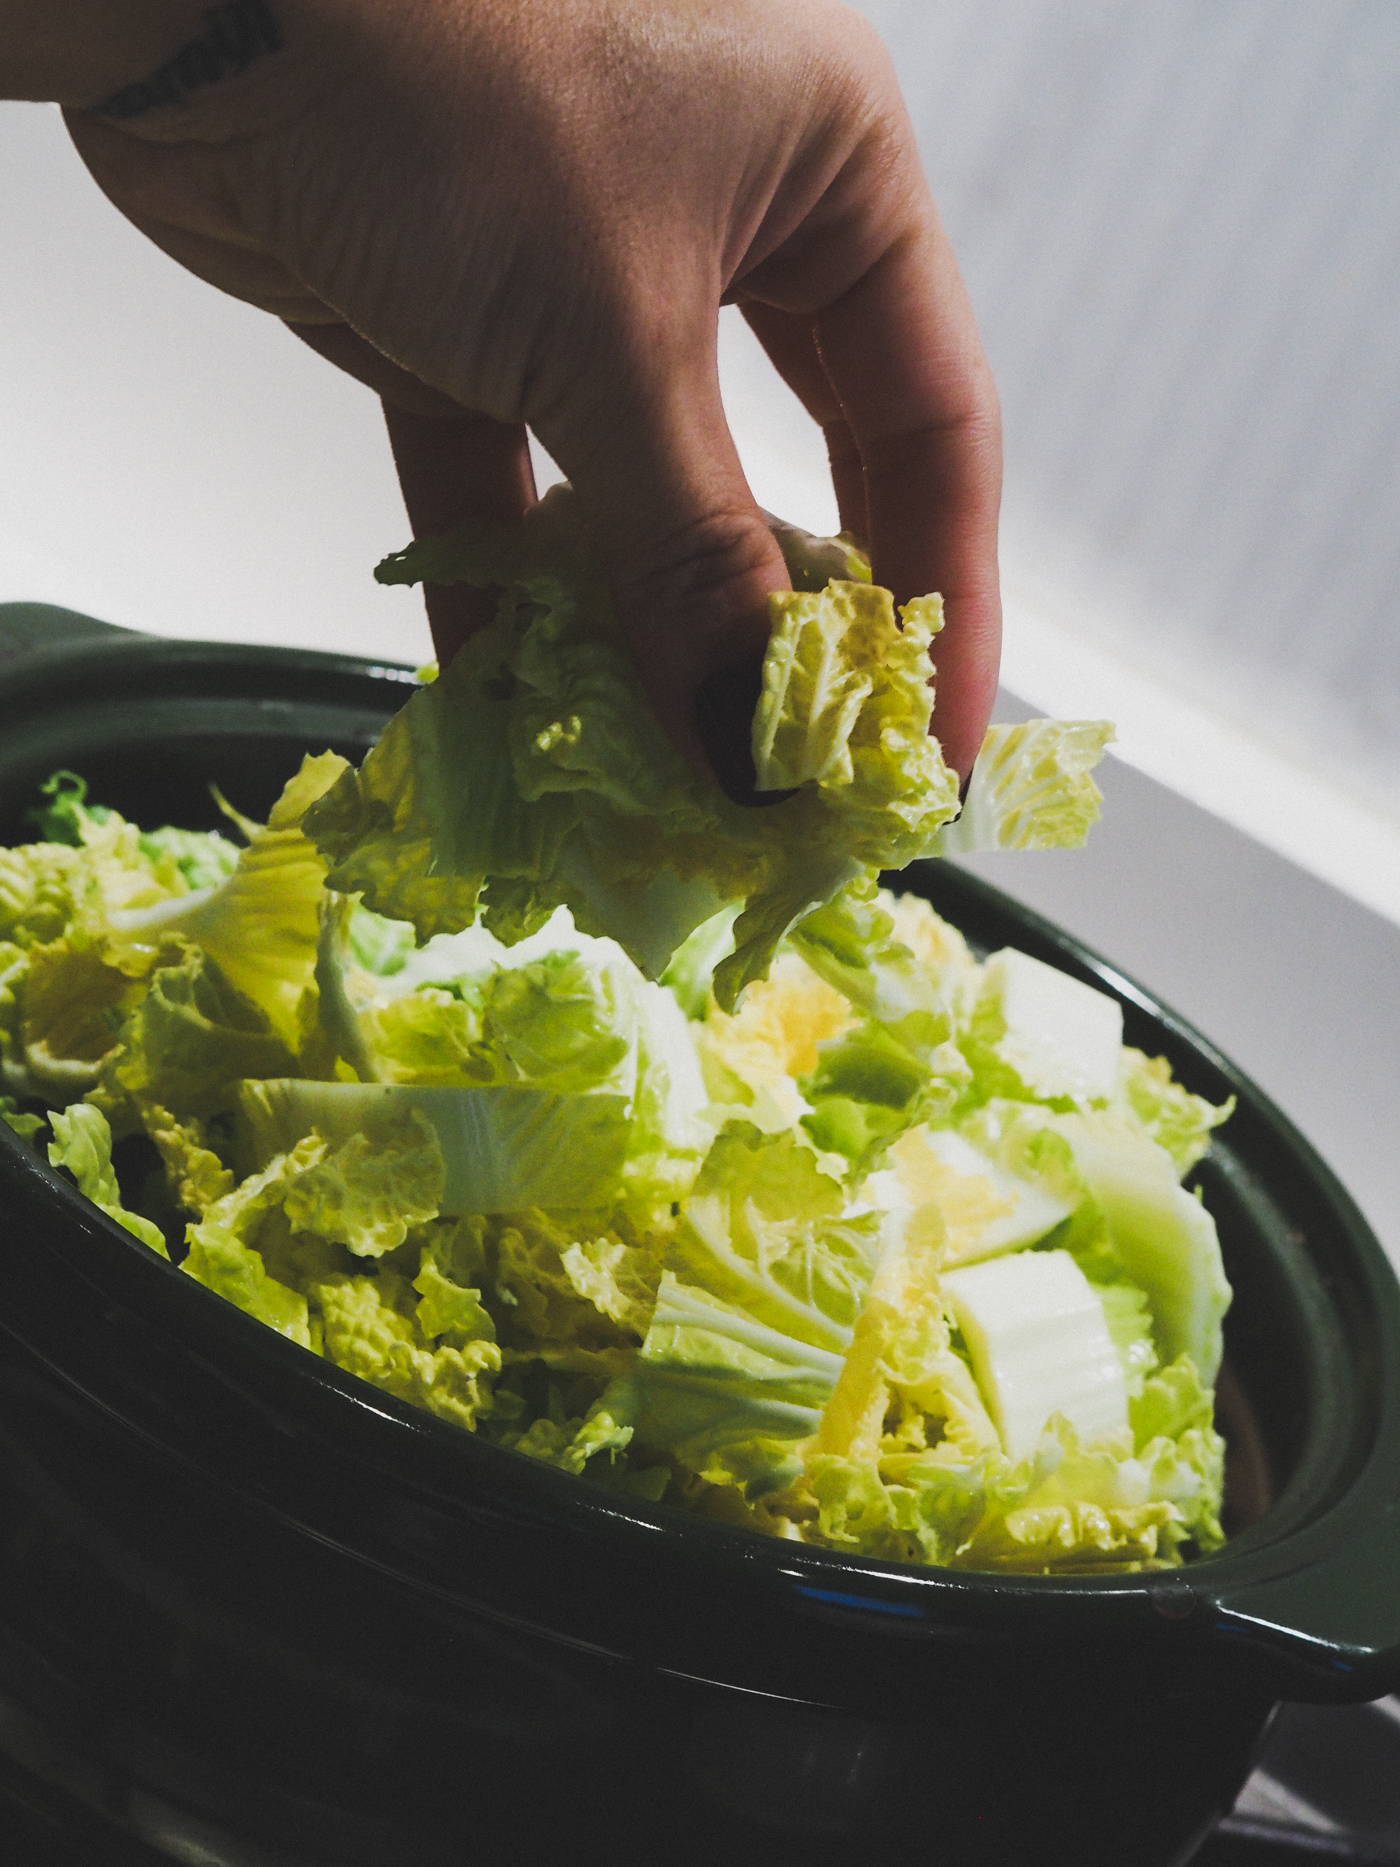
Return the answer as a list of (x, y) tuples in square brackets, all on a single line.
[(249, 1603)]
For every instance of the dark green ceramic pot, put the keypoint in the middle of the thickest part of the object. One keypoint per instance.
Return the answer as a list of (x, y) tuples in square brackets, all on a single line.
[(252, 1606)]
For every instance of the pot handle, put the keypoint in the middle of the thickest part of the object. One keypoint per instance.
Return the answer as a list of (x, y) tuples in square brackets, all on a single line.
[(1332, 1625)]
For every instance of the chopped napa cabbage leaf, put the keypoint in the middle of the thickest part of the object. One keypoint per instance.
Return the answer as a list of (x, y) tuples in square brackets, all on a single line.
[(1030, 788), (871, 1086), (70, 998), (897, 1067), (689, 975), (939, 948), (261, 925), (1168, 1114), (671, 1126), (367, 1327), (1131, 1221), (100, 866), (191, 1040), (764, 1286), (751, 1059), (303, 1247), (765, 1228), (601, 1433), (1106, 1507), (1040, 1344), (978, 1208), (366, 1195), (1163, 1237), (572, 1291), (1038, 1035), (20, 1121), (1127, 1503), (1128, 1315), (340, 1009), (41, 887), (852, 944), (728, 1395), (503, 1147), (619, 1279), (66, 981), (203, 857), (1174, 1401), (222, 1253), (533, 772), (844, 683), (567, 1018), (377, 945), (903, 1377), (357, 1194), (83, 1144), (196, 1176), (447, 1308), (67, 816), (1023, 1139), (561, 1025), (14, 969), (863, 1095)]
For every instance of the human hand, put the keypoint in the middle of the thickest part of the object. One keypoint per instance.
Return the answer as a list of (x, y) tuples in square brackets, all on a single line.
[(527, 212)]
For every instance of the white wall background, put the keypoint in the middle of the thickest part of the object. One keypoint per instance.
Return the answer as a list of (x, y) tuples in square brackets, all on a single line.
[(170, 459)]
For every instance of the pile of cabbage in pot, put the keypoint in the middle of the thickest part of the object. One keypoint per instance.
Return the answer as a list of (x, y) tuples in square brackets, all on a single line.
[(523, 1075)]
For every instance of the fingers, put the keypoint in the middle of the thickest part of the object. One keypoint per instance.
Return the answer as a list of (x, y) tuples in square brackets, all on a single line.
[(902, 353), (914, 445), (690, 561), (451, 468), (451, 465), (329, 337), (791, 343)]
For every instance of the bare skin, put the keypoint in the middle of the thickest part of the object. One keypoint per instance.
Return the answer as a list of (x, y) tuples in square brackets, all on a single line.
[(527, 213)]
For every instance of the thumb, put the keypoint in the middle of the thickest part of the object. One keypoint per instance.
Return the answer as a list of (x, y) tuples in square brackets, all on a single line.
[(688, 556)]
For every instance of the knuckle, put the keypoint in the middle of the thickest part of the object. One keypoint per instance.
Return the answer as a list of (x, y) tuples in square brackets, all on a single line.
[(718, 565)]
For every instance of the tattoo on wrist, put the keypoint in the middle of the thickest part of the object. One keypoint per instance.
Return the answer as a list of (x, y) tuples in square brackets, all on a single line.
[(236, 32)]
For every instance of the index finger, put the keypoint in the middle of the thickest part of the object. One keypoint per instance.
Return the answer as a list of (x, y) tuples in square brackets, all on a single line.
[(452, 464)]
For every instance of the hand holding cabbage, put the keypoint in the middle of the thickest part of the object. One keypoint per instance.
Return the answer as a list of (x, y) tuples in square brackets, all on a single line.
[(527, 214)]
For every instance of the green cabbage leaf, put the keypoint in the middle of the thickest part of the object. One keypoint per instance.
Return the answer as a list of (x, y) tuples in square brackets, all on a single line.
[(261, 925), (763, 1287), (314, 1247), (573, 1078), (83, 1144), (1131, 1219), (504, 1146), (1030, 789), (66, 980), (1167, 1113), (533, 773), (1065, 1507)]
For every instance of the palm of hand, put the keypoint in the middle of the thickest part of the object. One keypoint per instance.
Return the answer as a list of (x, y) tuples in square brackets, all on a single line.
[(531, 212)]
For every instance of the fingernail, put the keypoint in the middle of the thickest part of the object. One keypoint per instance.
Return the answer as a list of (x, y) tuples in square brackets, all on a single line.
[(725, 704)]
